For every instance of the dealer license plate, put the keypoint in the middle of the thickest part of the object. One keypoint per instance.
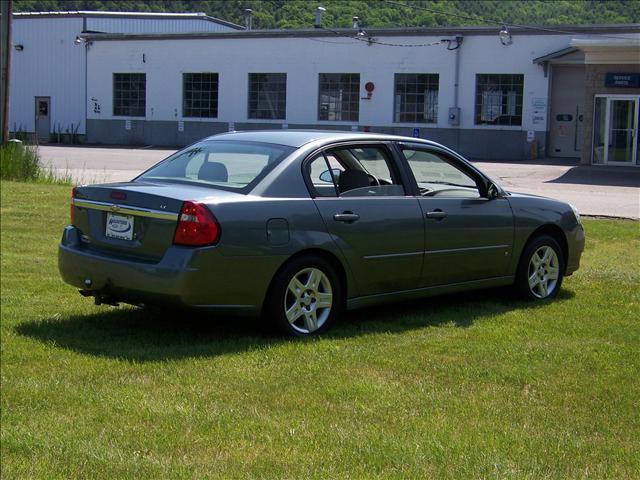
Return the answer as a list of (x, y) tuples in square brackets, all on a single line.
[(119, 226)]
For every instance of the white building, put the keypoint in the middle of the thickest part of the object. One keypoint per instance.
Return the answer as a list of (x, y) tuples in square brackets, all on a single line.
[(48, 67), (464, 87)]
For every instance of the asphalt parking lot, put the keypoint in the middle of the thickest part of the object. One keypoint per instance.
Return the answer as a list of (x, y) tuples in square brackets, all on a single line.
[(594, 190)]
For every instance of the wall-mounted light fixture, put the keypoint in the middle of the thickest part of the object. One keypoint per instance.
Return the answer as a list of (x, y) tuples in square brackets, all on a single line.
[(82, 41), (505, 36), (19, 47), (356, 25)]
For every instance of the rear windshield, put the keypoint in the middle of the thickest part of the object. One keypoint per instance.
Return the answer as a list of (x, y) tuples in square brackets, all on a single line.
[(233, 165)]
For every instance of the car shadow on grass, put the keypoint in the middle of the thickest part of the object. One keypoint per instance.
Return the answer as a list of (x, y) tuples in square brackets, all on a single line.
[(460, 310), (138, 335)]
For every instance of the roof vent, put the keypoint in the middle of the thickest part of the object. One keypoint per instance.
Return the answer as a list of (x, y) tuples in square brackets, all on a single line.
[(248, 18), (319, 12)]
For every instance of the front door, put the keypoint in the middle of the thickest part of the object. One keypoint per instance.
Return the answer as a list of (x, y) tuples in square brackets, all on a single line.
[(623, 129), (467, 235), (43, 119), (378, 228), (473, 242), (616, 130)]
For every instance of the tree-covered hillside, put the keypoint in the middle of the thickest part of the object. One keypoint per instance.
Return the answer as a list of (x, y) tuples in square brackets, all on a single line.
[(373, 13)]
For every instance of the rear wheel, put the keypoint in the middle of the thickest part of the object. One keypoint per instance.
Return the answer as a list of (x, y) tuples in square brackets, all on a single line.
[(306, 297), (541, 268)]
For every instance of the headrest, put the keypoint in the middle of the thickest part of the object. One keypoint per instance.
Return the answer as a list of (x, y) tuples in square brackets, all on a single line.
[(213, 172)]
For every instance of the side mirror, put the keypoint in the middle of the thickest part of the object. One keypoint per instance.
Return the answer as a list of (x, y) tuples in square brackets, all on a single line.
[(327, 175), (493, 191)]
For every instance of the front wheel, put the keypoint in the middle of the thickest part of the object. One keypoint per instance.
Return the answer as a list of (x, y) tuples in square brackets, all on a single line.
[(541, 269), (306, 297)]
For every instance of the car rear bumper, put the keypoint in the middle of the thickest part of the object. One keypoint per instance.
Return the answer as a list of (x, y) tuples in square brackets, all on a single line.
[(199, 278)]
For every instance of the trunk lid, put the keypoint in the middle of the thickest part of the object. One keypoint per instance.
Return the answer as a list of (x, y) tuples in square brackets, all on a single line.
[(135, 220)]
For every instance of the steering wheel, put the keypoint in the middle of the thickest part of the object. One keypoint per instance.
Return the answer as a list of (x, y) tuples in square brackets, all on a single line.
[(373, 181)]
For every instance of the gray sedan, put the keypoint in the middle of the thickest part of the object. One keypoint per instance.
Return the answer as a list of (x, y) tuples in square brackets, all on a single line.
[(298, 226)]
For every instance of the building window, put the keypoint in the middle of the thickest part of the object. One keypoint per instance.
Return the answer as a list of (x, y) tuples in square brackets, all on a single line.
[(268, 96), (200, 95), (129, 94), (499, 99), (416, 97), (339, 96)]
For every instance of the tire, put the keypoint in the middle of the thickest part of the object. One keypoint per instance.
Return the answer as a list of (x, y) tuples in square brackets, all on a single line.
[(305, 299), (541, 269)]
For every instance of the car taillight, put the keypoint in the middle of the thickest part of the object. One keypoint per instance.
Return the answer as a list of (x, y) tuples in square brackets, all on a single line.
[(72, 213), (196, 226)]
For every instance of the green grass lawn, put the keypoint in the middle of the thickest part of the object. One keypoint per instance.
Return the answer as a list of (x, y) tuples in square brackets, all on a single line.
[(472, 386)]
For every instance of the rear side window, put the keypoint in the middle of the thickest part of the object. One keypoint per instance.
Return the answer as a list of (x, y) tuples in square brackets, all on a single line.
[(354, 171), (233, 165)]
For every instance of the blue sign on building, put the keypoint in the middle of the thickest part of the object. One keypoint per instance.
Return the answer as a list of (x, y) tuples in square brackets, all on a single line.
[(622, 80), (416, 133)]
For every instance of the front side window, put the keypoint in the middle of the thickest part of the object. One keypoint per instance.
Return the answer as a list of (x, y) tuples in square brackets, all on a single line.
[(129, 94), (268, 96), (200, 95), (438, 176), (499, 99), (416, 97), (354, 171), (231, 165), (339, 97)]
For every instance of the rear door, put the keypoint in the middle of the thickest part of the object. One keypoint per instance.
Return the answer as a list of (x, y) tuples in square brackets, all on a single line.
[(43, 119), (467, 235), (360, 193)]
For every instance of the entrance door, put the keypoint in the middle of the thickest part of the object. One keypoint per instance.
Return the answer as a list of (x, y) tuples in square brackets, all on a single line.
[(565, 127), (622, 132), (43, 119), (616, 130)]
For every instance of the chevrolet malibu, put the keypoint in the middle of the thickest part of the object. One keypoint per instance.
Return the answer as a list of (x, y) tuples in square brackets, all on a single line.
[(297, 226)]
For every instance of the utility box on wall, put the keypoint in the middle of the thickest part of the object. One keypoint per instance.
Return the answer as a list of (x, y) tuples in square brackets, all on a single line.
[(454, 116)]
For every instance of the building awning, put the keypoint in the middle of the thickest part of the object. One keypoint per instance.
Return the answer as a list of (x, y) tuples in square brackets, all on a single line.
[(609, 51), (555, 55)]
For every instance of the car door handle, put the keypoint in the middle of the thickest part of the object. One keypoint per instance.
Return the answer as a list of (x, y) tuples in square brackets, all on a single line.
[(346, 217), (436, 214)]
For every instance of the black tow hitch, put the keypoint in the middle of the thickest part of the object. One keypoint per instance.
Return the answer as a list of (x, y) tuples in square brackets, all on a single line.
[(99, 298)]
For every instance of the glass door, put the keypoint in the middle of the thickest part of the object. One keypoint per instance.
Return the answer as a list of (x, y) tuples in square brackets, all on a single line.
[(622, 131), (616, 130)]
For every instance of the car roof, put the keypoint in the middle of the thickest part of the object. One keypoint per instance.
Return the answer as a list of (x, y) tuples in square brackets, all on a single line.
[(298, 138)]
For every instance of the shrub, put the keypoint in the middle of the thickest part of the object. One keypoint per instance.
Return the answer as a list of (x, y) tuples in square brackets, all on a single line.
[(19, 162)]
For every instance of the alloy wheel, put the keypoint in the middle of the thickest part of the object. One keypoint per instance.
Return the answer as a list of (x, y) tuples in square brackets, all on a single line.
[(543, 272), (308, 300)]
